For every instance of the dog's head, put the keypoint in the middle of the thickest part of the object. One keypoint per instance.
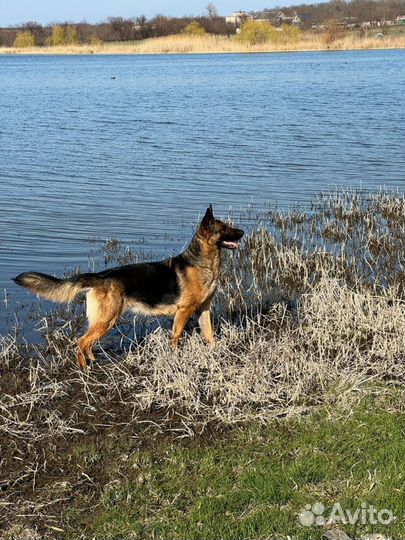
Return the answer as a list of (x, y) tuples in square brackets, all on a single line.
[(216, 232)]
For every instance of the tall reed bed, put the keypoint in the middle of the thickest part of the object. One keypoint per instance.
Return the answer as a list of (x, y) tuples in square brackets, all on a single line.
[(184, 44), (305, 42)]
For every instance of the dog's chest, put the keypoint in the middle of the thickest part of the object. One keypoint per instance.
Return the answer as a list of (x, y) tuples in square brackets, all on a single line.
[(198, 285), (209, 279), (210, 288)]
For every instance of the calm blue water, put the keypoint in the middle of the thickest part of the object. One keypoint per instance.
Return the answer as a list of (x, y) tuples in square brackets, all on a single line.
[(141, 155)]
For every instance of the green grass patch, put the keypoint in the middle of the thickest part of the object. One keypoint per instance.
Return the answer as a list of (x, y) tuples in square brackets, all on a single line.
[(252, 482)]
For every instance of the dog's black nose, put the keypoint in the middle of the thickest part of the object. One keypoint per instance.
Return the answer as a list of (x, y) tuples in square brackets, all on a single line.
[(240, 233)]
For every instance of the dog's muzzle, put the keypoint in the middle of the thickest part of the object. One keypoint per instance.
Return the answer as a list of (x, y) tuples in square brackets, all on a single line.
[(232, 240)]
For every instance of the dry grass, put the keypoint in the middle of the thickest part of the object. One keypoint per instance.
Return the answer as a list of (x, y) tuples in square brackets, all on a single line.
[(337, 340), (310, 311), (184, 44)]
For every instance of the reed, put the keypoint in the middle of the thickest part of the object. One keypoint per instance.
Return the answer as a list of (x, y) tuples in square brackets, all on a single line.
[(204, 44)]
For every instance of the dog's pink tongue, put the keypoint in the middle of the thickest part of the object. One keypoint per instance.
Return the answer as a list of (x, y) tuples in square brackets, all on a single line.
[(231, 245)]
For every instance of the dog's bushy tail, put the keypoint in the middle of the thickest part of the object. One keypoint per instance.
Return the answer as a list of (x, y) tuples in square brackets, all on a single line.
[(54, 289)]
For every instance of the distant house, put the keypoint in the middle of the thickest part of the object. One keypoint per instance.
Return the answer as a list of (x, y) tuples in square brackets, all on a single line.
[(296, 20), (279, 17), (369, 24), (347, 22), (276, 17), (400, 19), (238, 17)]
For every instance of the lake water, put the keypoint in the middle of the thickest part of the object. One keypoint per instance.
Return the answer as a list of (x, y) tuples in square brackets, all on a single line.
[(135, 147)]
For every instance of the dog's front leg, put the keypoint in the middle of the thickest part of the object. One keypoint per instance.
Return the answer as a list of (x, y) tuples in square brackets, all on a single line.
[(204, 320), (180, 319)]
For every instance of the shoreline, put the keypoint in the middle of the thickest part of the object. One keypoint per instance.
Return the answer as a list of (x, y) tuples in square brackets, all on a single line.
[(176, 53), (48, 52)]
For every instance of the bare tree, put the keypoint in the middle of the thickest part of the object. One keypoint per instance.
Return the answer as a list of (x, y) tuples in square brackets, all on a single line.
[(142, 28), (121, 29), (37, 30), (211, 10)]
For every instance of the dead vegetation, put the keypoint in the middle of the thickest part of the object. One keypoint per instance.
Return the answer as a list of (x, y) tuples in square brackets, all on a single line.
[(310, 310), (209, 43)]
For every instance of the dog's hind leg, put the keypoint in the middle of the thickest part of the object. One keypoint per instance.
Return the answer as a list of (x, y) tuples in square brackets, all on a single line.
[(85, 343), (104, 306)]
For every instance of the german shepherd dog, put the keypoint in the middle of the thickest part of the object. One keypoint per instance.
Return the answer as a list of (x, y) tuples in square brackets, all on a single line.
[(177, 287)]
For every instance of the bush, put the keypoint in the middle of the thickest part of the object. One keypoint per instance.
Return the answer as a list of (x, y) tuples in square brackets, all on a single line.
[(63, 36), (255, 32), (57, 37), (24, 39), (194, 29), (71, 35)]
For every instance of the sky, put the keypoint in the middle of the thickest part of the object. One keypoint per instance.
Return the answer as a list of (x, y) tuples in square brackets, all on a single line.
[(13, 12)]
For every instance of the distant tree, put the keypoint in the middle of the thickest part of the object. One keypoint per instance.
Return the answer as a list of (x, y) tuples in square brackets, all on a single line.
[(71, 36), (342, 12), (163, 26), (57, 37), (141, 20), (256, 32), (24, 39), (219, 26), (7, 37), (142, 28), (194, 29), (36, 29), (84, 31), (102, 31), (121, 29), (211, 10)]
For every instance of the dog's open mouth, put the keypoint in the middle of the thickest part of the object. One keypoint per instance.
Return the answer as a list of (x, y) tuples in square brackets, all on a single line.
[(229, 245)]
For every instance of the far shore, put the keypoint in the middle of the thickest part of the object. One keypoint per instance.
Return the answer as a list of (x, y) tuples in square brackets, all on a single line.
[(210, 44)]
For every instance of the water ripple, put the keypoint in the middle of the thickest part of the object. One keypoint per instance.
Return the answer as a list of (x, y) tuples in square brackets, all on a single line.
[(85, 156)]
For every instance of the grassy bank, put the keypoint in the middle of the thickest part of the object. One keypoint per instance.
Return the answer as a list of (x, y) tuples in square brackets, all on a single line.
[(245, 483), (181, 44), (298, 401)]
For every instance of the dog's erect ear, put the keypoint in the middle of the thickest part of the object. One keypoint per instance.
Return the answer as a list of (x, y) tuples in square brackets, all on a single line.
[(208, 219)]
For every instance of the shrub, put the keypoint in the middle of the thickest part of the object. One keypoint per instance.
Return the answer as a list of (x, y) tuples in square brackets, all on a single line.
[(71, 35), (194, 29), (57, 37), (24, 39), (255, 32)]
